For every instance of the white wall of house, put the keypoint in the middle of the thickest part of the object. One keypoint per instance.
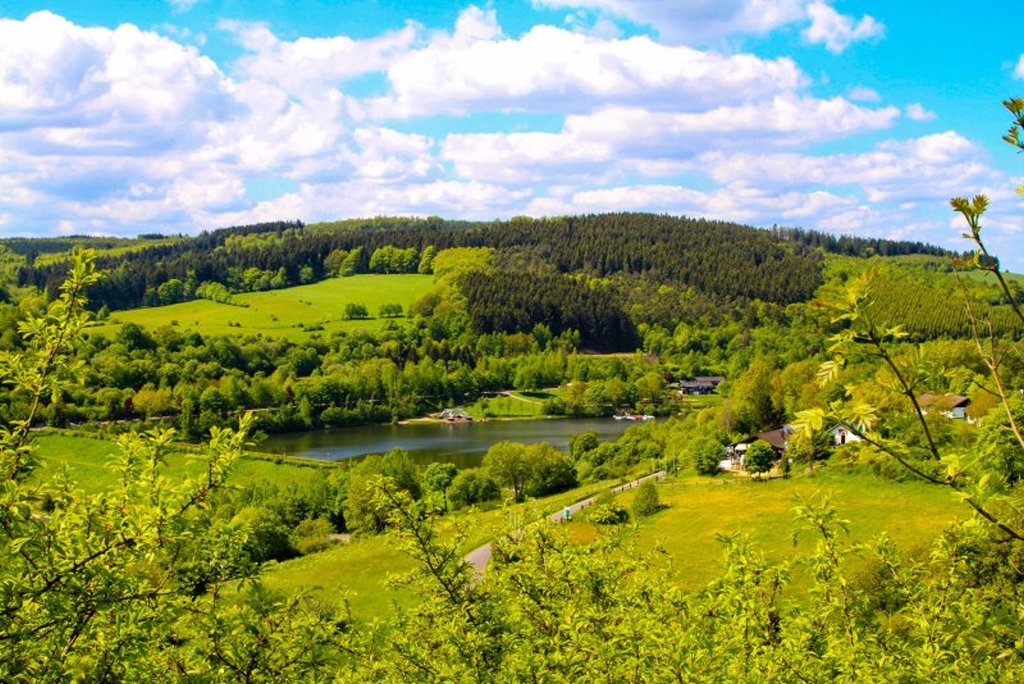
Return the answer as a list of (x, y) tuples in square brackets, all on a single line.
[(842, 435)]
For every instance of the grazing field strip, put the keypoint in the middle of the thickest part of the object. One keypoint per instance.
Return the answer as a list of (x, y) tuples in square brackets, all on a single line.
[(293, 313)]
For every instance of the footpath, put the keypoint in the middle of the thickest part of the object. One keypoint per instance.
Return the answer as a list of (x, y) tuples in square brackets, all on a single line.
[(481, 556)]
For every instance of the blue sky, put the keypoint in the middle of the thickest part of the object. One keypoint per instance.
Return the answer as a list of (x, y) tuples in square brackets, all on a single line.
[(851, 117)]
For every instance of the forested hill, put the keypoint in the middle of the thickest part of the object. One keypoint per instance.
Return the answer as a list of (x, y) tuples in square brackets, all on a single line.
[(712, 257)]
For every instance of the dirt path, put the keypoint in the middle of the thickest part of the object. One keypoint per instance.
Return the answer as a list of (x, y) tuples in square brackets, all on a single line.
[(517, 397), (481, 556)]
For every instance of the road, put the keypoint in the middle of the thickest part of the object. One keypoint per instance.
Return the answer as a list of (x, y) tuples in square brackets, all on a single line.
[(481, 556)]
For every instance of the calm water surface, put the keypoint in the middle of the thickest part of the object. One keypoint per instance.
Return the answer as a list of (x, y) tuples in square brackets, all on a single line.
[(464, 445)]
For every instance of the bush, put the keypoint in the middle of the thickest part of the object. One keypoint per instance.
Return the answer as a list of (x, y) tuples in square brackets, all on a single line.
[(311, 535), (607, 511), (608, 514), (472, 486), (356, 312), (759, 458), (706, 454), (646, 502)]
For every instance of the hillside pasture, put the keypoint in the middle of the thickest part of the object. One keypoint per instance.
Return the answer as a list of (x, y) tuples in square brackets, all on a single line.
[(697, 510), (88, 462), (358, 572), (293, 313)]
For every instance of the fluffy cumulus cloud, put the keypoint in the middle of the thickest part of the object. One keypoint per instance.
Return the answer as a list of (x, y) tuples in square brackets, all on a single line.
[(836, 31), (1018, 71), (708, 21), (615, 140), (312, 63), (124, 130), (917, 112), (929, 168), (556, 70), (697, 20)]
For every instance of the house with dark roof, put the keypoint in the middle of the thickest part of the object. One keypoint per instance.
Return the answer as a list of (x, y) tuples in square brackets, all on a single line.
[(776, 438), (951, 406), (701, 384)]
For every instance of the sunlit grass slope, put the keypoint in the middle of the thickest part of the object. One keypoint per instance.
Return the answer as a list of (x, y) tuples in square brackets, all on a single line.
[(88, 463), (912, 514), (294, 312)]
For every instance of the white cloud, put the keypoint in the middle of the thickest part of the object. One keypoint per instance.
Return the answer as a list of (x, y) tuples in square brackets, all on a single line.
[(861, 93), (552, 69), (737, 203), (182, 5), (837, 31), (118, 127), (369, 197), (928, 169), (613, 141), (311, 64), (1019, 69), (53, 72), (917, 112), (696, 21)]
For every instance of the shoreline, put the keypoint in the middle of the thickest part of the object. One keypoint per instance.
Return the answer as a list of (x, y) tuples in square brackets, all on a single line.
[(426, 420)]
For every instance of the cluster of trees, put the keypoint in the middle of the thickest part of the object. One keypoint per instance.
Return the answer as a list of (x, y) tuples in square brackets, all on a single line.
[(196, 382), (508, 302), (850, 245)]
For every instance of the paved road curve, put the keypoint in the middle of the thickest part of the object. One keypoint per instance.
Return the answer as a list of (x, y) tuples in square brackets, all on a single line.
[(480, 557)]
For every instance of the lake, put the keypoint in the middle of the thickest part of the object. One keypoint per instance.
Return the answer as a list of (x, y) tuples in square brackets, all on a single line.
[(461, 444)]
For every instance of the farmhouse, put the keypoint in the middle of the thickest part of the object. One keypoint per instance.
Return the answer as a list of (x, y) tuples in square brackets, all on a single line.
[(701, 384), (776, 438), (950, 405)]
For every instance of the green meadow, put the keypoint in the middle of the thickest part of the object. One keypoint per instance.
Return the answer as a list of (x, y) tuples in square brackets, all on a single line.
[(293, 313), (697, 510), (511, 405), (361, 572), (88, 460)]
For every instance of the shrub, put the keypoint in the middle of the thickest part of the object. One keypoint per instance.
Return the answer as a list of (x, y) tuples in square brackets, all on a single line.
[(356, 311), (646, 502), (759, 458), (706, 454), (311, 535), (607, 511), (472, 486)]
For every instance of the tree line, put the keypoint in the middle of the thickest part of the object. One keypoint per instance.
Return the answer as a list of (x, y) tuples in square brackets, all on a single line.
[(715, 257)]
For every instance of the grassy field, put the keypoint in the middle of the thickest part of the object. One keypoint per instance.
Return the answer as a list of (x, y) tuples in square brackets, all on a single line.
[(106, 247), (87, 462), (697, 509), (697, 402), (294, 312), (358, 572), (511, 405)]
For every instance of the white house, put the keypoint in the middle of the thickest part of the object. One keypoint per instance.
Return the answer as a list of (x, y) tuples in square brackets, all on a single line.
[(843, 435)]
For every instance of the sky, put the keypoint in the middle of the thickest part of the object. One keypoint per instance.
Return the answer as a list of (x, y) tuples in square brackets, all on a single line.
[(851, 117)]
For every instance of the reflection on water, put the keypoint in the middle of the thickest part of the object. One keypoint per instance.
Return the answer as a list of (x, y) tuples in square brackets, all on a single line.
[(461, 444)]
